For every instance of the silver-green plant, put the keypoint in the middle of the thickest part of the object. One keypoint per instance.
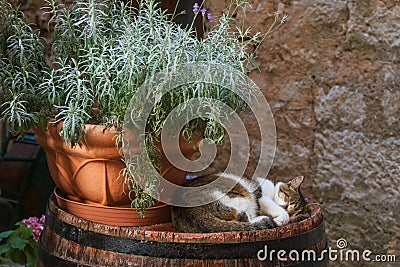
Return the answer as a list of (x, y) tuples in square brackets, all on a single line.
[(22, 63), (104, 51)]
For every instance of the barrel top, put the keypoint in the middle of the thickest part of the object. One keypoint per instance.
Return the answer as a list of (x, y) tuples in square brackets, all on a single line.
[(166, 233)]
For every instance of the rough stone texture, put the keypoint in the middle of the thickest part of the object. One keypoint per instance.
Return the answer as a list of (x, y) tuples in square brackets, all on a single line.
[(331, 76)]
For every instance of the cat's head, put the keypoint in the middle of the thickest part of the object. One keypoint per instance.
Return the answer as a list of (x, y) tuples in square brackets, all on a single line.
[(290, 196)]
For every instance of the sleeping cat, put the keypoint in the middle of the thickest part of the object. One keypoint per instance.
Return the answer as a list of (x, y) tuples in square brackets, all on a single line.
[(241, 209)]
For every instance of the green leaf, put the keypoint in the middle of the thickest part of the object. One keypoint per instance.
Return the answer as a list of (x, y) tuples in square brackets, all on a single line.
[(5, 234), (31, 256), (25, 231), (33, 244), (4, 248), (19, 224), (17, 242), (17, 256)]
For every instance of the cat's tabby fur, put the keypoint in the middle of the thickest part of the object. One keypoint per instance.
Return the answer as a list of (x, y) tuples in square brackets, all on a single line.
[(249, 205)]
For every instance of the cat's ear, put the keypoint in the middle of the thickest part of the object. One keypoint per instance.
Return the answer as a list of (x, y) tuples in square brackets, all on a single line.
[(296, 182)]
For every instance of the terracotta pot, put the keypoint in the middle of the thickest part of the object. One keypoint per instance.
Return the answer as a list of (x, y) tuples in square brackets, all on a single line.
[(88, 173)]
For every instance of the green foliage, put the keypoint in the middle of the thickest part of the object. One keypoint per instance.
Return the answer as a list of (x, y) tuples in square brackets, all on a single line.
[(103, 56), (18, 246), (22, 62)]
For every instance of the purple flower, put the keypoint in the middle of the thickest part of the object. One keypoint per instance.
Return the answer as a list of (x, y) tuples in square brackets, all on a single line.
[(203, 11), (42, 219), (196, 7), (210, 17), (73, 72), (36, 225)]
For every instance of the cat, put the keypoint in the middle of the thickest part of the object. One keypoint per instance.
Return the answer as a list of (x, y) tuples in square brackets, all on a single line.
[(250, 205)]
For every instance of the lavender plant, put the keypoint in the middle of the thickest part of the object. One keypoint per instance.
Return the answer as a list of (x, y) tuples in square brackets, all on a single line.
[(22, 102), (104, 51)]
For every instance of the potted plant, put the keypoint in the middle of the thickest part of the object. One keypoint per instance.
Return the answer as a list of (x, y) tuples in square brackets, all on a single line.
[(20, 245), (104, 51)]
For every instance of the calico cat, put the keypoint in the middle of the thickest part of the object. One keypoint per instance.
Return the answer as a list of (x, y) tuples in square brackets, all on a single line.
[(250, 205)]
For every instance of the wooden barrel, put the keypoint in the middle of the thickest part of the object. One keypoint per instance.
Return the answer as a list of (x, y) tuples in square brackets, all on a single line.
[(68, 240)]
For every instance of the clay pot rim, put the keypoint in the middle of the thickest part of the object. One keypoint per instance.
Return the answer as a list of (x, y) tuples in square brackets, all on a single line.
[(54, 123), (59, 196), (196, 137)]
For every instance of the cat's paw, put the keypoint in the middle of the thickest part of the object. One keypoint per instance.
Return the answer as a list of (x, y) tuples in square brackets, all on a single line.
[(282, 219), (258, 219)]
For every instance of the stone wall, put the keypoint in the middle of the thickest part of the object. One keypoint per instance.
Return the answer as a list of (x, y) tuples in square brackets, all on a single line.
[(330, 75)]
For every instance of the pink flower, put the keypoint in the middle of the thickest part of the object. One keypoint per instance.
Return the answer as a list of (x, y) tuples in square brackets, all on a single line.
[(36, 225), (42, 219)]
